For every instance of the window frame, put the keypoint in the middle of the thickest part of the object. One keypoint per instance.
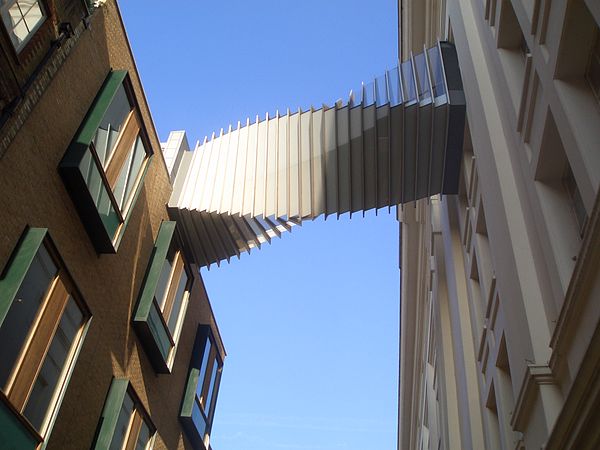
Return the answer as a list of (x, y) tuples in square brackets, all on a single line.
[(576, 205), (191, 405), (594, 61), (33, 352), (121, 387), (106, 233), (18, 50), (149, 310)]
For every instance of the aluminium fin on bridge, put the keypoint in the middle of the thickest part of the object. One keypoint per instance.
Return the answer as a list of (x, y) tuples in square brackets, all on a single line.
[(401, 142)]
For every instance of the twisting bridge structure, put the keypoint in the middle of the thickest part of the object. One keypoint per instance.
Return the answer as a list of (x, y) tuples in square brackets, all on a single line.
[(396, 141)]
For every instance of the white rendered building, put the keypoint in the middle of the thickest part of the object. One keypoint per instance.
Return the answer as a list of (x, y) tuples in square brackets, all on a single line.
[(500, 336)]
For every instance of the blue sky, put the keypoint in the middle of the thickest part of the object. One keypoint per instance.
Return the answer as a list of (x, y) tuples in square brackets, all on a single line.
[(310, 322)]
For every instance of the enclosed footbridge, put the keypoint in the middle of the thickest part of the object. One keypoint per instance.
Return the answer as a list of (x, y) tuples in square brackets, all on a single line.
[(396, 140)]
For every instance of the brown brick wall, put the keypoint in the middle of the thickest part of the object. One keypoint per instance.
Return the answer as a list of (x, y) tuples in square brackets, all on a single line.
[(32, 193)]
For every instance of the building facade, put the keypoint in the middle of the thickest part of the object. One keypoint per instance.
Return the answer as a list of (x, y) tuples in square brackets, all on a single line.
[(500, 284), (108, 337)]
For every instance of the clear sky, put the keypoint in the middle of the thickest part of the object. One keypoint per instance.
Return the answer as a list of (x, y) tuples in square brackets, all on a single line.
[(310, 323)]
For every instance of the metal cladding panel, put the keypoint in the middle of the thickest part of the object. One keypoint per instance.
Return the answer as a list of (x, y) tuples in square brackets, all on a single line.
[(246, 231), (356, 158), (370, 157), (221, 157), (454, 146), (409, 163), (237, 244), (383, 156), (282, 166), (331, 161), (211, 172), (192, 175), (395, 116), (305, 163), (237, 197), (194, 241), (456, 120), (318, 163), (261, 167), (294, 166), (230, 172), (271, 168), (216, 240), (424, 150), (438, 148), (180, 182), (207, 240), (250, 178), (343, 145), (402, 142)]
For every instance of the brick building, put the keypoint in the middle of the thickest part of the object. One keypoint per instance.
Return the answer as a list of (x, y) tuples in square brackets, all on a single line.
[(108, 337)]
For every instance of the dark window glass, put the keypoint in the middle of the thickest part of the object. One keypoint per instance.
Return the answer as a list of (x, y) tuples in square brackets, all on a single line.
[(178, 302), (23, 311), (106, 136), (56, 358), (577, 204), (211, 388), (593, 71), (122, 424)]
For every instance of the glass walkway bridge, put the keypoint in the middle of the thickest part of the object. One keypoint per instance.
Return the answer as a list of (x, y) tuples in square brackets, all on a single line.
[(397, 140)]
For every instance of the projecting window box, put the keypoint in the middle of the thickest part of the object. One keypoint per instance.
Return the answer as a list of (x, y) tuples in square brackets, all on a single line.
[(105, 164), (124, 423), (200, 395), (43, 322), (163, 299)]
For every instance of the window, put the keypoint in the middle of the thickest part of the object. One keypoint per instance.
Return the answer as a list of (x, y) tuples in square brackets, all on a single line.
[(106, 162), (21, 19), (42, 324), (523, 47), (200, 396), (124, 425), (592, 74), (577, 204), (172, 287), (513, 52), (163, 300)]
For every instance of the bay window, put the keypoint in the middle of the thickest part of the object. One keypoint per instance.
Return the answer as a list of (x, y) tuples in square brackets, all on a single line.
[(105, 164), (163, 299), (200, 396), (42, 324), (125, 424)]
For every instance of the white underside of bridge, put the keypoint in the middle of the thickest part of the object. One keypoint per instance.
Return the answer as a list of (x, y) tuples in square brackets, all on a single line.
[(401, 142)]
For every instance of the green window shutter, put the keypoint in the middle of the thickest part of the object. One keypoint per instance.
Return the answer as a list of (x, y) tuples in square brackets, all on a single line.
[(147, 320), (17, 267), (110, 413)]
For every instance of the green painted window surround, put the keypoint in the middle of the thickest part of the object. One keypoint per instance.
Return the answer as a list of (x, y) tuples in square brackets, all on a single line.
[(108, 424), (17, 267), (85, 178), (148, 321), (196, 423), (15, 430)]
